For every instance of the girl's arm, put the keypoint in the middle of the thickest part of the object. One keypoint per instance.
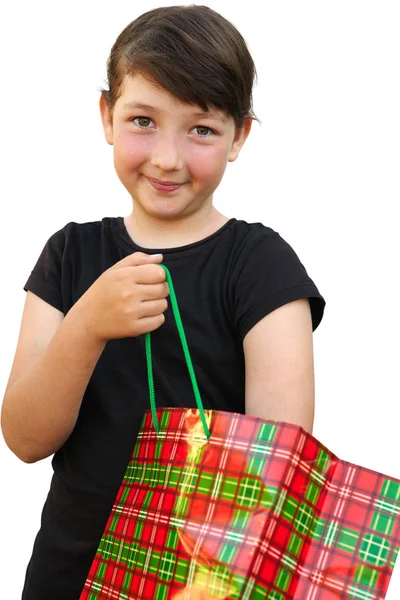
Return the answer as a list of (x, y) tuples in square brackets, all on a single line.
[(280, 366), (56, 355), (53, 363)]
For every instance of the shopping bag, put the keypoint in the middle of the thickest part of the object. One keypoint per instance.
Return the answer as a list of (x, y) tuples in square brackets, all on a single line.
[(218, 505)]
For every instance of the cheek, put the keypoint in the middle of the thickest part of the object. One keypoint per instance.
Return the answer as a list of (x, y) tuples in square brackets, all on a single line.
[(130, 151), (208, 162)]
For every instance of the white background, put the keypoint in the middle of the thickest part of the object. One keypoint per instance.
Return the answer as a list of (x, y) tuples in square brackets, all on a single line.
[(322, 170)]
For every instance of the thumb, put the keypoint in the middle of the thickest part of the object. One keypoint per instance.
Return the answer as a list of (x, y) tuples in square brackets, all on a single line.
[(138, 258)]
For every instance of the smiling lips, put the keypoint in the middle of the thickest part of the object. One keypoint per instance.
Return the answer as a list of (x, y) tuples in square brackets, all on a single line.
[(164, 182), (163, 187)]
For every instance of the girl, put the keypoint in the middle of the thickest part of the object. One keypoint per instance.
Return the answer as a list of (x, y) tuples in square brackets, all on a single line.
[(178, 109)]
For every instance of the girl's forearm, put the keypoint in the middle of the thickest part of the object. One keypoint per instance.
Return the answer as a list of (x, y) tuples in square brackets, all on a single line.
[(41, 407)]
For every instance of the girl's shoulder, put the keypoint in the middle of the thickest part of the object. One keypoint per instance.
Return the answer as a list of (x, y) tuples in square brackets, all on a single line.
[(75, 235), (257, 241)]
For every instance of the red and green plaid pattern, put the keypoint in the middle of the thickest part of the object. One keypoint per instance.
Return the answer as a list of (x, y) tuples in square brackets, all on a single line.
[(262, 510)]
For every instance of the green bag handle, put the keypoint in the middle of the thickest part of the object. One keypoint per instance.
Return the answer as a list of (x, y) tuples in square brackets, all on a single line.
[(182, 336)]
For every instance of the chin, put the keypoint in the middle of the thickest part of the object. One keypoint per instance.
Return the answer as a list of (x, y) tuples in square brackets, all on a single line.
[(171, 215), (167, 208)]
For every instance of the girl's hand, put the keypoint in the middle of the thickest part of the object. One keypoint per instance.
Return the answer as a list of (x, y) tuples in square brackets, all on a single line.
[(127, 300)]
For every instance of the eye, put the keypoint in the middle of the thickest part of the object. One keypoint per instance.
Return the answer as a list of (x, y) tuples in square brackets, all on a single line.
[(141, 118), (197, 126), (204, 127)]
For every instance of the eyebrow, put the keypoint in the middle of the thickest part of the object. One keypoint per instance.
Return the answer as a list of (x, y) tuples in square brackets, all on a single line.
[(206, 115)]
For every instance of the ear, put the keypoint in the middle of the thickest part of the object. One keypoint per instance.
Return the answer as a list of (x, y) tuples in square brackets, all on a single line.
[(106, 119), (239, 139)]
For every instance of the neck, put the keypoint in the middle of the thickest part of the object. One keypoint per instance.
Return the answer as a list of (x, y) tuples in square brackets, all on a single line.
[(150, 232)]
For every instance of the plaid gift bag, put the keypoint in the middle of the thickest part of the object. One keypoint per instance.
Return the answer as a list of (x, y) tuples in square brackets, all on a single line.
[(218, 505)]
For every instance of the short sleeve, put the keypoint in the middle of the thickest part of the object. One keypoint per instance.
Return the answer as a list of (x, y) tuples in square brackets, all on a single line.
[(46, 276), (269, 276)]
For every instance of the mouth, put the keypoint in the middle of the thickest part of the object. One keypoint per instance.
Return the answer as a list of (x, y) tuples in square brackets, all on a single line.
[(164, 187)]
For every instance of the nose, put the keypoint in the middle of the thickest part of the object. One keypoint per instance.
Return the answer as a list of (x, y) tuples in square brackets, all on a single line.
[(166, 154)]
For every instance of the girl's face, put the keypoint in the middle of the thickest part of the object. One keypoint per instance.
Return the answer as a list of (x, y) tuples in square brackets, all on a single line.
[(169, 142)]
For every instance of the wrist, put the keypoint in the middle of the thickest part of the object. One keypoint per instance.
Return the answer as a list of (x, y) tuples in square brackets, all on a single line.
[(79, 320)]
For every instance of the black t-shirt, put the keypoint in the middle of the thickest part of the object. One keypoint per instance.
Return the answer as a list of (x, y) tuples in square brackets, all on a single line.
[(224, 285)]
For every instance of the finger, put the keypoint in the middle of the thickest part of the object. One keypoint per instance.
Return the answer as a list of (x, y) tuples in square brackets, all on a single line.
[(155, 291), (148, 324), (147, 274), (152, 308)]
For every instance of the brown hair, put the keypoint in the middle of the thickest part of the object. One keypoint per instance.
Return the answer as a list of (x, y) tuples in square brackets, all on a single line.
[(192, 52)]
